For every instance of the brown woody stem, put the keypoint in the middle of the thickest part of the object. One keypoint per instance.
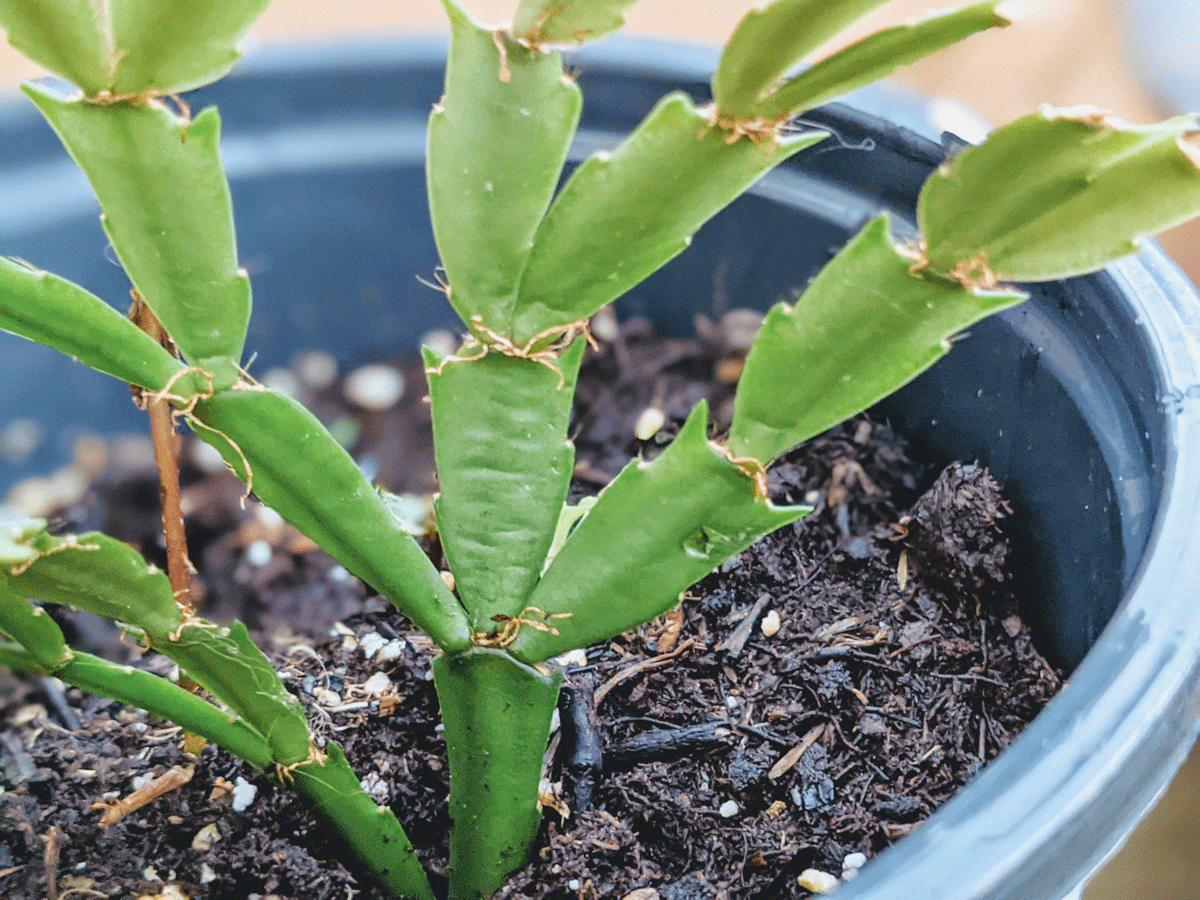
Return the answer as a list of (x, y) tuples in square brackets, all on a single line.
[(166, 448)]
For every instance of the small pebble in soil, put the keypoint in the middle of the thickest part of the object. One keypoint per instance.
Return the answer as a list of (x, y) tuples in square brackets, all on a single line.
[(770, 624), (258, 553), (243, 794), (377, 685), (576, 657), (371, 643), (729, 809), (649, 423), (205, 838), (282, 380), (315, 368), (573, 884), (817, 881), (375, 387)]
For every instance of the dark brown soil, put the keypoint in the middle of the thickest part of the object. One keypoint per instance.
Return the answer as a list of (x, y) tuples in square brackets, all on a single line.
[(698, 756)]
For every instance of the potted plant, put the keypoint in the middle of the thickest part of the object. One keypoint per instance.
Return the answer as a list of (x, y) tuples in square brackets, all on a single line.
[(526, 267)]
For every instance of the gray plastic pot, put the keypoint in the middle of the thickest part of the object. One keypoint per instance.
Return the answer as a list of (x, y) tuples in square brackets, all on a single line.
[(1082, 401)]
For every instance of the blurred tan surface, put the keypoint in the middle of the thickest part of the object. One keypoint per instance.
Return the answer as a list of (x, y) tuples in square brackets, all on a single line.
[(1064, 52)]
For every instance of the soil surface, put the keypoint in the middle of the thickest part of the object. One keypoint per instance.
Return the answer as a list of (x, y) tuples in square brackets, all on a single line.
[(814, 699)]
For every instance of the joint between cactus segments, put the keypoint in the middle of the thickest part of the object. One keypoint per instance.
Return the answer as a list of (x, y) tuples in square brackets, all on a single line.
[(759, 130), (749, 466), (315, 757), (486, 340), (510, 627)]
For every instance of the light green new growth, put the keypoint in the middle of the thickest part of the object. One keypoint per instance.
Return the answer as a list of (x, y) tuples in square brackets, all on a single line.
[(526, 263)]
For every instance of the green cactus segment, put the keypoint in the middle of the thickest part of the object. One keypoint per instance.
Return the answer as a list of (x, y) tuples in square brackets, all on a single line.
[(650, 536), (863, 328), (297, 468), (168, 214), (497, 717), (168, 701), (100, 575), (1060, 192), (126, 684), (227, 664), (539, 22), (624, 214), (497, 142), (47, 309), (124, 48), (372, 832), (32, 626), (769, 41), (504, 465), (876, 56)]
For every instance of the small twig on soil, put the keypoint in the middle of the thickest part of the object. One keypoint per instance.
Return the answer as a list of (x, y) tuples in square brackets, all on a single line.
[(671, 741), (735, 643), (115, 810), (966, 676), (50, 859), (581, 733), (789, 759), (646, 664), (762, 734)]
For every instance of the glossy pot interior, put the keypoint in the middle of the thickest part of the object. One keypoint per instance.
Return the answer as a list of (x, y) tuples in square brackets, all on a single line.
[(1081, 401)]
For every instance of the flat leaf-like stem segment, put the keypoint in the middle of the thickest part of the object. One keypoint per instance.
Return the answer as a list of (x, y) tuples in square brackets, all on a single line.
[(656, 530), (504, 465), (298, 469), (168, 214), (497, 142), (497, 717), (52, 311), (864, 327), (769, 41), (623, 214), (1059, 192), (371, 832), (878, 55), (561, 22), (263, 724), (123, 48), (42, 641), (103, 576)]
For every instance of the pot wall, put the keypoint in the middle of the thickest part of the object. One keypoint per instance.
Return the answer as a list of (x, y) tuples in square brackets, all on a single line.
[(1081, 401)]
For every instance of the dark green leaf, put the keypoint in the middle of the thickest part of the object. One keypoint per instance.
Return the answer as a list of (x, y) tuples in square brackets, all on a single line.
[(863, 328), (656, 530), (504, 465), (497, 142), (1060, 192), (624, 214), (878, 55)]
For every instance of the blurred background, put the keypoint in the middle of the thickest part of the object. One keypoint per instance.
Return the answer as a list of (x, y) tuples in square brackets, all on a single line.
[(1139, 59)]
